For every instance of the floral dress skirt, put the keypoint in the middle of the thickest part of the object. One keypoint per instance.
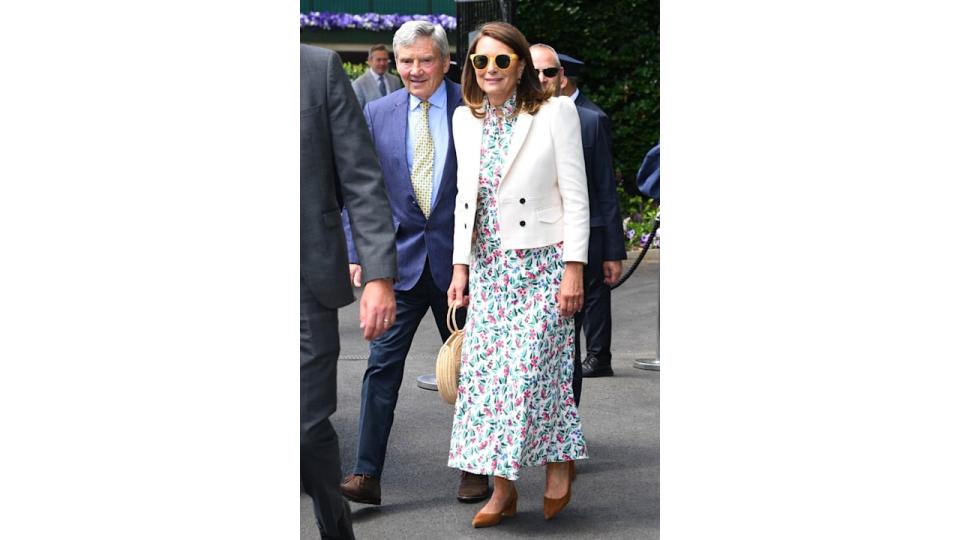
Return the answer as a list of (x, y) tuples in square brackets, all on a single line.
[(515, 405)]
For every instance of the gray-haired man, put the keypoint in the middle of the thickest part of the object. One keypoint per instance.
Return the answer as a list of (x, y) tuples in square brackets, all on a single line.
[(411, 126)]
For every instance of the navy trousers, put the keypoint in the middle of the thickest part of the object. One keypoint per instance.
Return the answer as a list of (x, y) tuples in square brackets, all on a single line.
[(594, 319), (388, 354)]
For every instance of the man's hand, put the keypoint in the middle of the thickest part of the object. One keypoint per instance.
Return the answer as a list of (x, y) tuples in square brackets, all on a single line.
[(457, 292), (570, 297), (356, 275), (611, 272), (378, 308)]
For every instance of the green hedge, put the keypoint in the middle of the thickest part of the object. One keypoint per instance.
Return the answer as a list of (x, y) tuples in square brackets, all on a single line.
[(354, 70), (619, 40)]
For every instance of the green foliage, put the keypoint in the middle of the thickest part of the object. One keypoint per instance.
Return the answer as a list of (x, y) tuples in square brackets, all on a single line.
[(619, 41), (638, 217), (356, 70)]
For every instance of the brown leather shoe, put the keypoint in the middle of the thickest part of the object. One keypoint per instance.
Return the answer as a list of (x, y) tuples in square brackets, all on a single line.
[(473, 487), (361, 488)]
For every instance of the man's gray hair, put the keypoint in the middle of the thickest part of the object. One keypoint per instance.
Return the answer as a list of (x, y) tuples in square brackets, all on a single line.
[(409, 31)]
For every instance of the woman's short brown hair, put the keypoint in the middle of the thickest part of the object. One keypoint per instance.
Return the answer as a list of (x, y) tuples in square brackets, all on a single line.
[(530, 95)]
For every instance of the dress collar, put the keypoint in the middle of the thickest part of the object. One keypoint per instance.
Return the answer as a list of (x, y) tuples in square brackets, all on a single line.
[(508, 109)]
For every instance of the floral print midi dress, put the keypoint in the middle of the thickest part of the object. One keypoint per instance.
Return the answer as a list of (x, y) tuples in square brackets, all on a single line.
[(515, 405)]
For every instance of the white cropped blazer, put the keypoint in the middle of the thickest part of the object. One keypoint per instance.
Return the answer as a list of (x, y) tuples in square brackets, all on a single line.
[(543, 188)]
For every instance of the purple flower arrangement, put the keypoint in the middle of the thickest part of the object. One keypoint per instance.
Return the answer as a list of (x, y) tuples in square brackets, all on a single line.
[(374, 22)]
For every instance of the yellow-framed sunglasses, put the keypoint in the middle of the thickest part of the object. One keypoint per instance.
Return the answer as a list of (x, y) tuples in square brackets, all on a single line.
[(502, 61)]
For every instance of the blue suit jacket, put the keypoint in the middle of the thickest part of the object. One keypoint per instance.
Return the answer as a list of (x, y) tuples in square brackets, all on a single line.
[(648, 177), (418, 239), (601, 184)]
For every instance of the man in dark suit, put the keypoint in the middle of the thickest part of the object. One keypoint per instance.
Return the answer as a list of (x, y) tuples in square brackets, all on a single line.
[(569, 79), (606, 240), (335, 171), (411, 129), (606, 248)]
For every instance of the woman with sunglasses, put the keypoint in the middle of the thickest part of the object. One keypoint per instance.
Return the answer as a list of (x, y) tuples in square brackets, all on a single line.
[(521, 229)]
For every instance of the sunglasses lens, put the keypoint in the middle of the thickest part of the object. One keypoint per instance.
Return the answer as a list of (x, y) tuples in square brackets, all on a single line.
[(479, 61), (551, 72), (503, 61)]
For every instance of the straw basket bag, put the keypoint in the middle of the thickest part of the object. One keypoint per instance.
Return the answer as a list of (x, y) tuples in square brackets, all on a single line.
[(448, 359)]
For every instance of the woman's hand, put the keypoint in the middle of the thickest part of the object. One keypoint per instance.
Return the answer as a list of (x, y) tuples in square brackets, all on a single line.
[(571, 289), (457, 293)]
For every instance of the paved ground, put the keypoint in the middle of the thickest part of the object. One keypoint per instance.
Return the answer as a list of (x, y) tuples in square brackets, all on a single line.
[(616, 495)]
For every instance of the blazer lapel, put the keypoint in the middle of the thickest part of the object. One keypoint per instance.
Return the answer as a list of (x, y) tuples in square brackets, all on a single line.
[(453, 101), (399, 121), (520, 130)]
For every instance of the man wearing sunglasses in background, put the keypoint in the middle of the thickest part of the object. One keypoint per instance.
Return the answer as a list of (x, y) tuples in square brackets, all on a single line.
[(411, 131), (606, 249), (596, 319)]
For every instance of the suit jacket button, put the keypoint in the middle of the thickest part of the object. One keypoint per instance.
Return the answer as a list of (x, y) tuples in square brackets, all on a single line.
[(465, 205), (464, 225), (522, 200), (523, 223)]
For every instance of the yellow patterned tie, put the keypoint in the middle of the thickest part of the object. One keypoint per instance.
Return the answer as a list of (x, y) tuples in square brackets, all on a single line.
[(422, 177)]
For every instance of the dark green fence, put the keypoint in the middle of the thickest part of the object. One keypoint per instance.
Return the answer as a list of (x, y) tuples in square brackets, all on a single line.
[(404, 7)]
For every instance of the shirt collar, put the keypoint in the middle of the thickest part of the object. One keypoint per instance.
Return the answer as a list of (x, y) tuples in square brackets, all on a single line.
[(575, 94), (438, 100)]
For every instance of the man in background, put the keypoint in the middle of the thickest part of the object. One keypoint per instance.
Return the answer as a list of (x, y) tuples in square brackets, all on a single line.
[(606, 248), (376, 82), (335, 171), (606, 237)]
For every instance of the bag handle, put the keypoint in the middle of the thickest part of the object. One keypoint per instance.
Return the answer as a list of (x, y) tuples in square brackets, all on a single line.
[(452, 319)]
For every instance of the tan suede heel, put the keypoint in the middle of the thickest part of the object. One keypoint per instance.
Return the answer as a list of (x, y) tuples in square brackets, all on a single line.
[(490, 519), (552, 507)]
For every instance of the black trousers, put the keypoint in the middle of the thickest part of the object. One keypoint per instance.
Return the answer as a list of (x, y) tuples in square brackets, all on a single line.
[(319, 447), (594, 319)]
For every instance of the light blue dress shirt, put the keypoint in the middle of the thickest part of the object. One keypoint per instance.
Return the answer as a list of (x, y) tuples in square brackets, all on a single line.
[(438, 130)]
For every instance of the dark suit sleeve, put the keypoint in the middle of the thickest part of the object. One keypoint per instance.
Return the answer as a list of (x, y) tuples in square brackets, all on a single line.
[(606, 192), (345, 215), (361, 181)]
